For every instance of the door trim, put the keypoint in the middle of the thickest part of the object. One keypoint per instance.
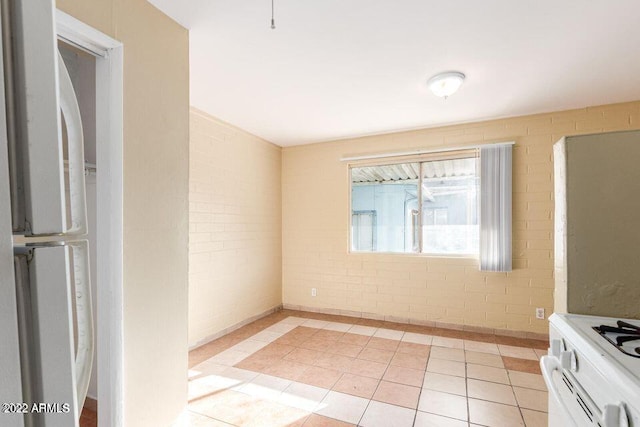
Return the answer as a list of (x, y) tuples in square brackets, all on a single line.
[(109, 178)]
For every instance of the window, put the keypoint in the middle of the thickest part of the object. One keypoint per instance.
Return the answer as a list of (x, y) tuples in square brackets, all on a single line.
[(428, 206)]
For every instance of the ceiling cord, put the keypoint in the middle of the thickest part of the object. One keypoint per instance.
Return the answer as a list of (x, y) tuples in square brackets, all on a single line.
[(273, 22)]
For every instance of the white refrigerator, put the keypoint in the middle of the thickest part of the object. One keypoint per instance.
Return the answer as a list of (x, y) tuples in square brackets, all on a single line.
[(46, 330)]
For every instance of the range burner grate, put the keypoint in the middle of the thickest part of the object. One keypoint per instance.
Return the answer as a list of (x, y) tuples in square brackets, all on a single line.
[(619, 335)]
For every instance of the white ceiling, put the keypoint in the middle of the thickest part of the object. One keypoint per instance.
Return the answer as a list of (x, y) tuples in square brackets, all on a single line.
[(341, 68)]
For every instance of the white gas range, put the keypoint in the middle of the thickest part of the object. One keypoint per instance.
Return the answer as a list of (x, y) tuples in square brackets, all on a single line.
[(593, 371)]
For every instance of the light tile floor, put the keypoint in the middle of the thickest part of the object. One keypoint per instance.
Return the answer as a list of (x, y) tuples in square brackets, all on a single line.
[(305, 369)]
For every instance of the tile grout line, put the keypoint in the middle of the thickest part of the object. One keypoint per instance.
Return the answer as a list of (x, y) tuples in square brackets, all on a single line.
[(379, 382), (466, 391), (516, 399), (415, 416), (343, 373)]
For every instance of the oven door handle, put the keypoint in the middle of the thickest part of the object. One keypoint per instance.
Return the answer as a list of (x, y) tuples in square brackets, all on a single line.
[(549, 364), (615, 415)]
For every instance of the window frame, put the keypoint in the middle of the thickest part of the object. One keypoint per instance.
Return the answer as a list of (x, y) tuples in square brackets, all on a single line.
[(473, 152)]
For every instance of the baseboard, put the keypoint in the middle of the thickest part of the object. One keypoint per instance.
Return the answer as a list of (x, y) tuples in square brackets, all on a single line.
[(232, 328), (430, 323)]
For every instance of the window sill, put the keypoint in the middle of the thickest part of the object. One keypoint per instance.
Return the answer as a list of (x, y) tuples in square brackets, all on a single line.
[(415, 254)]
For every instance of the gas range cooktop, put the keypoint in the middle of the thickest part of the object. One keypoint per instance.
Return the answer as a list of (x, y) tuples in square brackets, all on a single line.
[(607, 371), (624, 336), (604, 347)]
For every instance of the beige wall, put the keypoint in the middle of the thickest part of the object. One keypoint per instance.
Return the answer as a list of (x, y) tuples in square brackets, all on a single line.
[(602, 263), (235, 221), (156, 108), (405, 287)]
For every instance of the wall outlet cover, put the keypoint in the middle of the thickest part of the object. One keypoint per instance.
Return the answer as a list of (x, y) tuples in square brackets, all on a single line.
[(539, 313)]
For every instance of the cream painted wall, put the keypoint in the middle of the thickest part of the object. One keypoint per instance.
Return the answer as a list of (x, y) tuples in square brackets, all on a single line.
[(316, 220), (156, 146), (235, 242), (602, 263)]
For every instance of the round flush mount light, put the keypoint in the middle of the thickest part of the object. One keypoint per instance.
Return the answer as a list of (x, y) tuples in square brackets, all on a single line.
[(445, 84)]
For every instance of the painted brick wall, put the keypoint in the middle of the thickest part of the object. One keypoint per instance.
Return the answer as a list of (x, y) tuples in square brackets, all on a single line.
[(316, 218), (234, 226)]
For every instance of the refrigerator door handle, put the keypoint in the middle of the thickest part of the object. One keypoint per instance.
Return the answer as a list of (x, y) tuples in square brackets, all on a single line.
[(75, 144), (84, 319)]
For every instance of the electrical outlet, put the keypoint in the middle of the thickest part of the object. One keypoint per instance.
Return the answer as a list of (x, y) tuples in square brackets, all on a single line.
[(314, 292), (539, 313)]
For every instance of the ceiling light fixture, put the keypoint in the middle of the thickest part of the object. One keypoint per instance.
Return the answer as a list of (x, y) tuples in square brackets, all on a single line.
[(445, 84)]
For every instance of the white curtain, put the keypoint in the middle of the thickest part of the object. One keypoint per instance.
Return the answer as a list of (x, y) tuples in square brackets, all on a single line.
[(495, 207)]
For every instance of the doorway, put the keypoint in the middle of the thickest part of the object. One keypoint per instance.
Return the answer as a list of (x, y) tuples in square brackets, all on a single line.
[(95, 64)]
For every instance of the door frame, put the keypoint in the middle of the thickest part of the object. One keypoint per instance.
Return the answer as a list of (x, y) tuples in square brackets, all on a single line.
[(109, 194)]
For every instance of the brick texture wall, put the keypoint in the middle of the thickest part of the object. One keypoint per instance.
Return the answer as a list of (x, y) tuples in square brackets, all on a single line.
[(316, 220), (234, 226)]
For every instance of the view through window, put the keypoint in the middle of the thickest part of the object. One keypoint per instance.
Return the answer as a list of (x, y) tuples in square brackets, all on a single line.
[(416, 207)]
